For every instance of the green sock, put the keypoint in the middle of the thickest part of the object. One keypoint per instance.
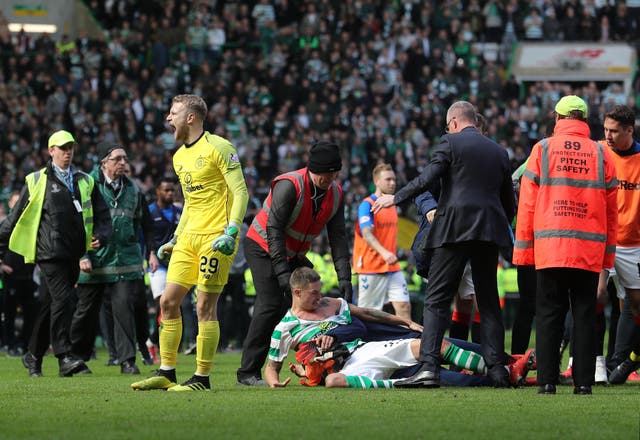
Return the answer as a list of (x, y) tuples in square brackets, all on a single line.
[(365, 382), (634, 357), (466, 359)]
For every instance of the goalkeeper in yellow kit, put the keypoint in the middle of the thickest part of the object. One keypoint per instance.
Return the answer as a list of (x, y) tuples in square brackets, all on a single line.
[(204, 244)]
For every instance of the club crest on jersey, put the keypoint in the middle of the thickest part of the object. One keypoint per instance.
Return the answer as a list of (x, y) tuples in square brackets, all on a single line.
[(233, 158), (199, 163)]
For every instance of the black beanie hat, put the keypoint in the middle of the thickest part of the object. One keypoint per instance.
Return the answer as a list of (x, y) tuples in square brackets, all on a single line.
[(105, 149), (324, 157)]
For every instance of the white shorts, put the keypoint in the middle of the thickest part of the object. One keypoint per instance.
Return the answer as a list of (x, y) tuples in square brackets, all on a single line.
[(158, 281), (378, 360), (627, 266), (376, 290), (466, 290)]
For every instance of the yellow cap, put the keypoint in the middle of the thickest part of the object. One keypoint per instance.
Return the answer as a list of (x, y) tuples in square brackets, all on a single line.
[(570, 103), (60, 138)]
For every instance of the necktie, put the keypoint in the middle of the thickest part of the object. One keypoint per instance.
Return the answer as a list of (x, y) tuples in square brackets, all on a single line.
[(66, 178)]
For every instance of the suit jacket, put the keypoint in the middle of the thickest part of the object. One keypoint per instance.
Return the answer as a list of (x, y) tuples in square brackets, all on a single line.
[(476, 202)]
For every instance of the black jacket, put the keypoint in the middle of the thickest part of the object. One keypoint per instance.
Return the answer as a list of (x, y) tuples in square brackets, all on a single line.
[(283, 201), (61, 233), (476, 202)]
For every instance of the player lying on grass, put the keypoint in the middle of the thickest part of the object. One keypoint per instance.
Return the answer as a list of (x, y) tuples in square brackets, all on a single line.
[(329, 335)]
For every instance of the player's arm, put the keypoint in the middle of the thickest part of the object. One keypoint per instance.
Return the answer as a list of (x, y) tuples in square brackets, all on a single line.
[(272, 374), (371, 240), (373, 315), (237, 185), (229, 165)]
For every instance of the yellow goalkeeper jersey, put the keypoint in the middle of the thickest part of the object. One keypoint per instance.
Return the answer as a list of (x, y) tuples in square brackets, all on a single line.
[(212, 183)]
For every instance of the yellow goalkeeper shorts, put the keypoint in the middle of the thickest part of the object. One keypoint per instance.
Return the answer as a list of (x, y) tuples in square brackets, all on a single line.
[(193, 262)]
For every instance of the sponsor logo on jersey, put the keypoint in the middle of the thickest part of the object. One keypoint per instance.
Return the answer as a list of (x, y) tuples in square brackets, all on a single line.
[(629, 186), (188, 184)]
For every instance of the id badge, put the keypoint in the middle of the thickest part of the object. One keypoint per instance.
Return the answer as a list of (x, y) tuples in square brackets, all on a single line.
[(76, 203)]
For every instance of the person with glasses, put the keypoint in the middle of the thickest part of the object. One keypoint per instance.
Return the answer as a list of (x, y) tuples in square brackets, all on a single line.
[(475, 207), (113, 273), (59, 216)]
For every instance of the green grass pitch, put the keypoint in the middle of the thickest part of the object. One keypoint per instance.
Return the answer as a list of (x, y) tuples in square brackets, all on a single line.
[(102, 406)]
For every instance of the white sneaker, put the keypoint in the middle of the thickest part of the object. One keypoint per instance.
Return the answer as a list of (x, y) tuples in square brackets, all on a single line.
[(601, 370)]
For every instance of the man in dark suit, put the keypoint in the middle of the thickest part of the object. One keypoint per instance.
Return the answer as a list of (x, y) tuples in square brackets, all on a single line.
[(475, 208)]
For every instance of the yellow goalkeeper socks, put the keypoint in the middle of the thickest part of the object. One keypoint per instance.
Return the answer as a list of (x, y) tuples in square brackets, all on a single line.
[(207, 344), (170, 336)]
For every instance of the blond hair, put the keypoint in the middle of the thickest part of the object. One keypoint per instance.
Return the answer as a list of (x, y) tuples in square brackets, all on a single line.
[(194, 104)]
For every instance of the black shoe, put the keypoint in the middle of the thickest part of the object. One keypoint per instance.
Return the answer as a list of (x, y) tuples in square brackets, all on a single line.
[(422, 379), (33, 364), (582, 389), (547, 389), (112, 362), (129, 367), (500, 376), (70, 365), (84, 370), (252, 381), (619, 374)]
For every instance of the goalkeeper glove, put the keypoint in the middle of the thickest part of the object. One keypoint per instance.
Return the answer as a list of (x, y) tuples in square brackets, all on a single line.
[(226, 243), (164, 251)]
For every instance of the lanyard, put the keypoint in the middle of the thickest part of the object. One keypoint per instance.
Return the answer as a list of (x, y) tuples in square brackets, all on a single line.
[(68, 179)]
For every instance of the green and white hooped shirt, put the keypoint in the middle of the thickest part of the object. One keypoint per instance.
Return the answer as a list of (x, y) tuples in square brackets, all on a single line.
[(292, 331)]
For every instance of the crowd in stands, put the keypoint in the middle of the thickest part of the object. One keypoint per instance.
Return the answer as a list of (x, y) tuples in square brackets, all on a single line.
[(375, 76)]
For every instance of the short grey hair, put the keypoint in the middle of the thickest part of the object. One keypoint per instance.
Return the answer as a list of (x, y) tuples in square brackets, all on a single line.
[(465, 111)]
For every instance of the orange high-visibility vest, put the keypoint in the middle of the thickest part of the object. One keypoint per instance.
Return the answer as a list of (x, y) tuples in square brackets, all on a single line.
[(385, 226), (567, 213)]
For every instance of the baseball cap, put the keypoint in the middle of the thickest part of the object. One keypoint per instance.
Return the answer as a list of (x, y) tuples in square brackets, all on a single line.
[(60, 138), (569, 103)]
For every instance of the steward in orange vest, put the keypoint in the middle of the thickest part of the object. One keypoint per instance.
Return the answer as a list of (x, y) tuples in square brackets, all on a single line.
[(567, 224), (567, 215)]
